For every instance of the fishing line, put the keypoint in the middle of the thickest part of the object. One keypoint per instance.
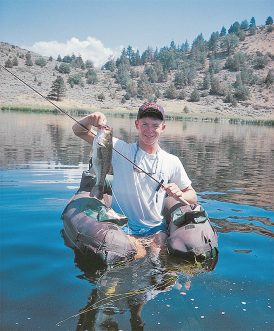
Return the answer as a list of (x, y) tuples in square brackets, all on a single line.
[(116, 297), (41, 95), (83, 126), (160, 183)]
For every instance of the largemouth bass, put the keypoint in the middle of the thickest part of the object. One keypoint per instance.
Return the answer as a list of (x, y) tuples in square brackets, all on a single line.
[(101, 159)]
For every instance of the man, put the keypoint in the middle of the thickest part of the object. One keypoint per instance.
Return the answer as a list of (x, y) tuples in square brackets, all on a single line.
[(134, 193)]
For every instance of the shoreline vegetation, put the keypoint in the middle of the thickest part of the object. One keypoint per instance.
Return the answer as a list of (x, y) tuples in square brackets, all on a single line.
[(123, 112), (227, 78)]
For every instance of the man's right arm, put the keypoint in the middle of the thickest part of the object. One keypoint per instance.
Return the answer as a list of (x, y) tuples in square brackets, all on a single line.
[(80, 128)]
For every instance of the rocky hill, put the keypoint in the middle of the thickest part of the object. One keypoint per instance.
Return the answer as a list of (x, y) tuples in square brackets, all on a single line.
[(107, 94)]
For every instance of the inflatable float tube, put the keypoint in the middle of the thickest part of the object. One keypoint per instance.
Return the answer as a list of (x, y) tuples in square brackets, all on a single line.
[(95, 229)]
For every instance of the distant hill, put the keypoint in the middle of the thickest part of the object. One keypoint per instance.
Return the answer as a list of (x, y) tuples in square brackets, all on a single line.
[(204, 80)]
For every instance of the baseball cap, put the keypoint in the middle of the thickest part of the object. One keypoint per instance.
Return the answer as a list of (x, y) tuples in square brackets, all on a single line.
[(151, 108)]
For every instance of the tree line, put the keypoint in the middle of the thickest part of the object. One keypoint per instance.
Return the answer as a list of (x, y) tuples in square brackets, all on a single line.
[(171, 70)]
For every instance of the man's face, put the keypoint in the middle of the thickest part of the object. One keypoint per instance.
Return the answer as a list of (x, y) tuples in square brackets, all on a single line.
[(149, 129)]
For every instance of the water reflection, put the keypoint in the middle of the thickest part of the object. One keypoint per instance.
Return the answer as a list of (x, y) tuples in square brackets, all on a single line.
[(35, 191), (128, 287), (217, 156)]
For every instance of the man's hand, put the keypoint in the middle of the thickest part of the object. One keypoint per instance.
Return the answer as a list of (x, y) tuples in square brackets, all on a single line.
[(187, 196), (96, 119)]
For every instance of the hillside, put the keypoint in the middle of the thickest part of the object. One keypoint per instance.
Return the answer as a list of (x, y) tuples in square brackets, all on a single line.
[(259, 104)]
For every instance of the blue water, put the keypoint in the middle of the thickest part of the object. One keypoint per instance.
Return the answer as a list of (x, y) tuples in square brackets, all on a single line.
[(43, 284)]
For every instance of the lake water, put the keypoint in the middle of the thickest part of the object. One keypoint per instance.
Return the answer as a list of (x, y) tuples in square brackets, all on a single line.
[(45, 286)]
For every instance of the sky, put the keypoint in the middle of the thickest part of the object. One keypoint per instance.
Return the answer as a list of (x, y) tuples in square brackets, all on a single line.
[(99, 29)]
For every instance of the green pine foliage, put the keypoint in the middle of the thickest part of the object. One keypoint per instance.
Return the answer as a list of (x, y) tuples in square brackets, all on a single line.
[(58, 89), (175, 71), (269, 21)]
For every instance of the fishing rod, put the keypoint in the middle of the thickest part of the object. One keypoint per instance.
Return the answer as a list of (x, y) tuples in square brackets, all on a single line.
[(41, 95), (160, 183), (79, 123)]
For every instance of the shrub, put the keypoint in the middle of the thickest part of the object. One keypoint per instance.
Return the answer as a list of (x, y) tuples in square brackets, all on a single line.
[(132, 89), (248, 76), (214, 67), (41, 62), (270, 28), (241, 91), (15, 61), (216, 87), (269, 80), (64, 68), (234, 63), (151, 73), (260, 61), (195, 95), (28, 62), (229, 98), (101, 97), (170, 92), (75, 79), (8, 63), (182, 95), (91, 76), (89, 64)]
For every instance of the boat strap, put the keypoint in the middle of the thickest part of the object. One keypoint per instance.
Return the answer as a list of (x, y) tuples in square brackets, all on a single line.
[(182, 215)]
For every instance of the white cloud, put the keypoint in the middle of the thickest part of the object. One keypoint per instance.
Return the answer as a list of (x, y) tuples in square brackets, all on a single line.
[(90, 49)]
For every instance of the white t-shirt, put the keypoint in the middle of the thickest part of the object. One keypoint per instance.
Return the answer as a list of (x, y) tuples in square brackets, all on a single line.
[(134, 193)]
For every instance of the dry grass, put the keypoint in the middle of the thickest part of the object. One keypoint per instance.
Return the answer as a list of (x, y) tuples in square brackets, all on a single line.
[(260, 105)]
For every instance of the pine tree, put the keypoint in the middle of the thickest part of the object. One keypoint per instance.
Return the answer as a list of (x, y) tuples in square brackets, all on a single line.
[(213, 41), (57, 89), (269, 21), (223, 31), (244, 25), (206, 82), (252, 23), (234, 28), (230, 42)]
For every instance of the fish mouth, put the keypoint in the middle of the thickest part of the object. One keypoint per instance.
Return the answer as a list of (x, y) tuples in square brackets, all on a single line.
[(104, 127)]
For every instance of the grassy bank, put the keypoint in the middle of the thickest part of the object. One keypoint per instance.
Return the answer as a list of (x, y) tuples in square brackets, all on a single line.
[(123, 113)]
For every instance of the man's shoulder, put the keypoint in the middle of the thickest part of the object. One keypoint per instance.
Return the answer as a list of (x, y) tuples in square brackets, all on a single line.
[(168, 155), (121, 145)]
